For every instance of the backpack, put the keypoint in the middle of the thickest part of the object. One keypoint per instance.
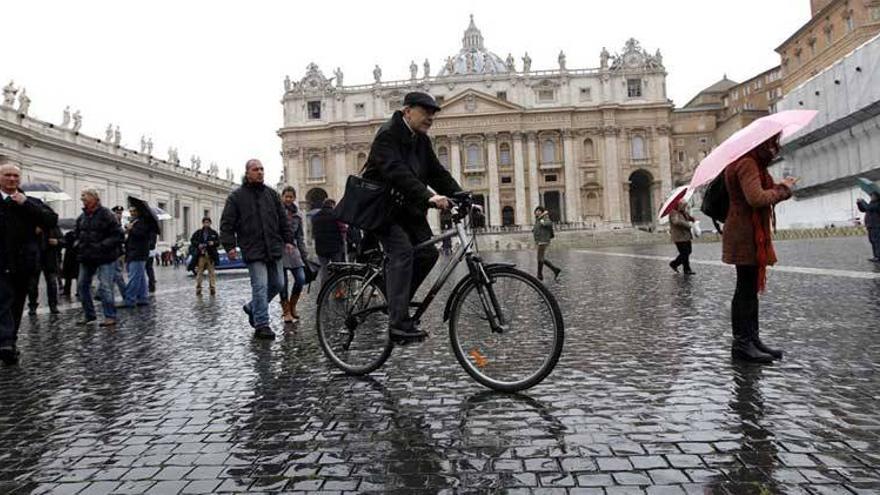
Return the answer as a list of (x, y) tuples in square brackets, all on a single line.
[(716, 201)]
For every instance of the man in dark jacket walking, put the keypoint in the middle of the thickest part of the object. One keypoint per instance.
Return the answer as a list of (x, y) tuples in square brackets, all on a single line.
[(19, 218), (872, 223), (255, 220), (402, 156), (206, 241), (99, 239), (50, 242)]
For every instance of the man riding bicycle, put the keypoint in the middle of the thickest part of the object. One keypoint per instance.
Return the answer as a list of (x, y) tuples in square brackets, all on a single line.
[(402, 156)]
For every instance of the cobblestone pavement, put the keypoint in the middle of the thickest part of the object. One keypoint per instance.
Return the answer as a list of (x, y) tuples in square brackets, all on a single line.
[(180, 399)]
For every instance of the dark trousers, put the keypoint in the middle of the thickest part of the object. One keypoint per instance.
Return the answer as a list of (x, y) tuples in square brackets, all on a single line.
[(13, 293), (406, 269), (51, 289), (542, 260), (744, 307), (874, 237), (151, 275), (684, 255)]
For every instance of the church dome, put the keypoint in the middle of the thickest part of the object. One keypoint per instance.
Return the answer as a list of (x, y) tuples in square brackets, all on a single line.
[(473, 58)]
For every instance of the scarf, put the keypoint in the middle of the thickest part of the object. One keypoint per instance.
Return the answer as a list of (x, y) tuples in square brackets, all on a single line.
[(764, 252)]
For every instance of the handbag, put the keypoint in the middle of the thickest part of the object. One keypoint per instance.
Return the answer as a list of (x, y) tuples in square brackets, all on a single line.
[(366, 204)]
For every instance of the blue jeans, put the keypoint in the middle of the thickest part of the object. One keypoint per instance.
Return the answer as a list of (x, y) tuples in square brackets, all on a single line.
[(267, 280), (299, 280), (106, 274), (136, 290), (118, 278)]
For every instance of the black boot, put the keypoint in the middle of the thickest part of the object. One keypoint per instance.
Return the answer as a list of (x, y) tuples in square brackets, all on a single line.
[(556, 269), (755, 334), (541, 270), (743, 348)]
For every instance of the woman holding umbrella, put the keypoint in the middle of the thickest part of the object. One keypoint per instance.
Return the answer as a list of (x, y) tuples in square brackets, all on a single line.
[(139, 231), (872, 216), (680, 224), (746, 243)]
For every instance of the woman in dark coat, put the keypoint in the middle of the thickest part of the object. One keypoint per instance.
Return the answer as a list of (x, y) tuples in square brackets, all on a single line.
[(746, 243), (70, 266), (294, 261)]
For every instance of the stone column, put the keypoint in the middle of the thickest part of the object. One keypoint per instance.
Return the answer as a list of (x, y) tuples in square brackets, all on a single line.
[(534, 195), (519, 178), (572, 195), (340, 172), (664, 161), (455, 158), (293, 171), (494, 189), (612, 181)]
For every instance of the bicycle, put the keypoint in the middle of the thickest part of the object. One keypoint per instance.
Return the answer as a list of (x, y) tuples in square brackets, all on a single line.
[(496, 339)]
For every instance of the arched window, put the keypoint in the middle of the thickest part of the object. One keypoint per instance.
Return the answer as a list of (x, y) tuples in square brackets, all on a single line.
[(473, 156), (548, 151), (589, 152), (316, 167), (443, 156), (638, 148), (504, 154)]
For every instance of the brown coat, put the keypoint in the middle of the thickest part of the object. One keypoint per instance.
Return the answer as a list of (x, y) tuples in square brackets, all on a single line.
[(679, 227), (743, 180)]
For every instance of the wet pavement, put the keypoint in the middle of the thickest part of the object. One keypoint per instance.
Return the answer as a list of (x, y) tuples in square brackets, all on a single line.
[(180, 398)]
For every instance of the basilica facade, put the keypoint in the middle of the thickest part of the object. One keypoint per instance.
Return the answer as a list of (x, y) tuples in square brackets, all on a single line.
[(592, 145)]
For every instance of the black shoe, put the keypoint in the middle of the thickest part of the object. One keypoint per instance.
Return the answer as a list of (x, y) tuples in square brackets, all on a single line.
[(688, 271), (747, 351), (249, 314), (54, 310), (264, 332), (9, 355), (32, 311), (556, 272), (403, 336), (87, 321), (673, 266)]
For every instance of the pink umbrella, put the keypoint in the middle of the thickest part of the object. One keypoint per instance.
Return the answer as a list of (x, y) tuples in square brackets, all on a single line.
[(675, 197), (748, 138)]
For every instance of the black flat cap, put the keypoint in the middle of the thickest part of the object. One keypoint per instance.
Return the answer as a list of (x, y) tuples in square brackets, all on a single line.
[(421, 99)]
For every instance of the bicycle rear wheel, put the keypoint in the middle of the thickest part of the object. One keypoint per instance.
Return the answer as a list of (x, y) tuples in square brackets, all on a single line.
[(352, 322), (529, 346)]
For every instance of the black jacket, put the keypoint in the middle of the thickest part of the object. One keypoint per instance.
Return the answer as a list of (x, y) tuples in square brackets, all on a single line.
[(327, 234), (871, 211), (70, 265), (140, 236), (99, 237), (51, 255), (211, 241), (19, 242), (407, 162), (254, 220)]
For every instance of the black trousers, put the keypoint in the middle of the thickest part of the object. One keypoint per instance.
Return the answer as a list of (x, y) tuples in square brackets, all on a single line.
[(684, 255), (406, 269), (151, 275), (51, 289), (744, 307), (13, 293)]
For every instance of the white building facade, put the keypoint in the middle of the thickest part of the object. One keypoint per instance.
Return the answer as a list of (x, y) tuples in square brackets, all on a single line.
[(840, 145), (592, 145), (62, 156)]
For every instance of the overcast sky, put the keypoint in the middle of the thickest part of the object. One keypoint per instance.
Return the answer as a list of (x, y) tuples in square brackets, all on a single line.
[(207, 76)]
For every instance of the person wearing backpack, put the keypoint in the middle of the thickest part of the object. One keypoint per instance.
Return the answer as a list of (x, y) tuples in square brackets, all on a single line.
[(680, 224), (543, 232), (747, 244)]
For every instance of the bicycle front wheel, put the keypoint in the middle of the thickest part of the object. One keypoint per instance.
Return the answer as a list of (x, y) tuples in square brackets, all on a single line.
[(530, 342), (352, 323)]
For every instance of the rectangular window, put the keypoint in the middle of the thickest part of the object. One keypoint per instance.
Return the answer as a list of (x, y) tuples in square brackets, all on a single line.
[(586, 94), (875, 13), (850, 25), (829, 36), (314, 109), (634, 88), (681, 156), (475, 181), (703, 140), (440, 100), (550, 178), (206, 213), (360, 109), (501, 95), (506, 179), (546, 95)]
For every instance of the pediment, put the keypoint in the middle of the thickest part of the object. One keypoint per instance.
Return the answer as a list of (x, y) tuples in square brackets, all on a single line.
[(473, 101)]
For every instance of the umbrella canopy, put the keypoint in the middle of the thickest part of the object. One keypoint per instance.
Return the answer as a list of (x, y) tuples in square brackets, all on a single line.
[(868, 186), (45, 192), (748, 138), (161, 214), (144, 209), (679, 194)]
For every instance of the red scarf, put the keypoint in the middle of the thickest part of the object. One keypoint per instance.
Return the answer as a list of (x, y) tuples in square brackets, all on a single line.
[(763, 246)]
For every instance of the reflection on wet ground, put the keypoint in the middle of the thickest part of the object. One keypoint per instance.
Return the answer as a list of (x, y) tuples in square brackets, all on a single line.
[(180, 399)]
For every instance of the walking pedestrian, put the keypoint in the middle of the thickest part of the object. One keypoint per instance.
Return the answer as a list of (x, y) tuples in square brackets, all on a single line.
[(118, 275), (872, 223), (747, 243), (680, 224), (50, 242), (70, 265), (206, 241), (543, 233), (255, 220), (294, 260), (327, 232), (139, 232), (402, 156), (99, 240), (151, 261), (19, 218)]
